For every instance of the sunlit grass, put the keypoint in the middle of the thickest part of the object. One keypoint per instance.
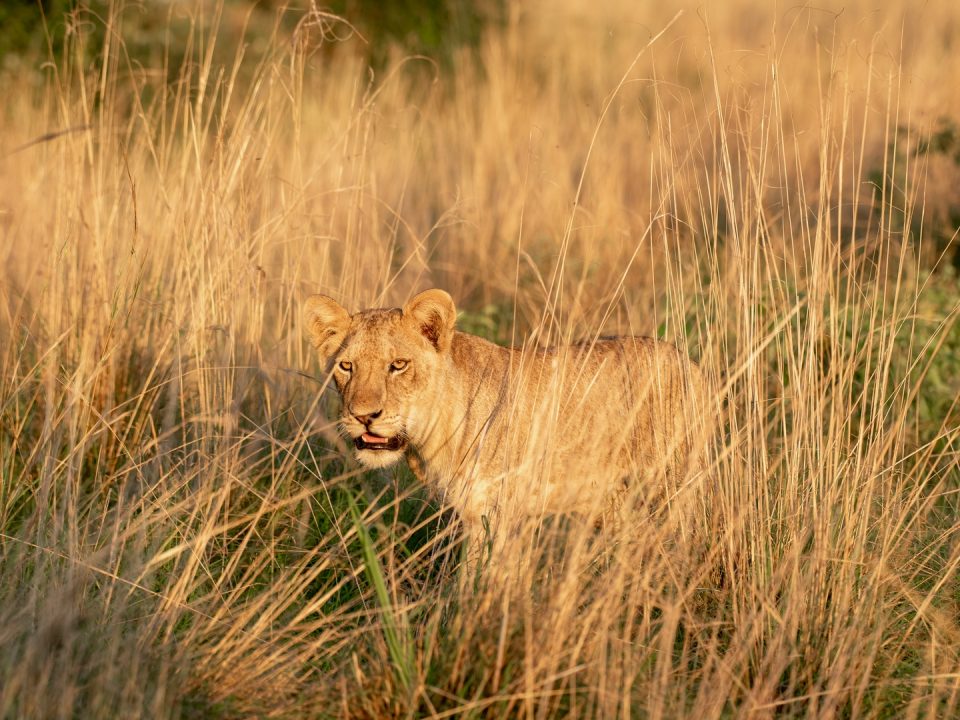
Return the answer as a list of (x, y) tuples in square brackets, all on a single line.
[(183, 533)]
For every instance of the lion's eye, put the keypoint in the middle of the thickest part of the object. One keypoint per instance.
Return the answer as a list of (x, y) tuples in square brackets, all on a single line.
[(398, 366), (346, 366)]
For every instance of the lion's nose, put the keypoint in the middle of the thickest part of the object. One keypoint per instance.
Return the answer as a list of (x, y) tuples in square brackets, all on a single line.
[(367, 418)]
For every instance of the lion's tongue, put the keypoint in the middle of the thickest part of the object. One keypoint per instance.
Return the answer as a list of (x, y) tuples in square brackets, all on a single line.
[(373, 439)]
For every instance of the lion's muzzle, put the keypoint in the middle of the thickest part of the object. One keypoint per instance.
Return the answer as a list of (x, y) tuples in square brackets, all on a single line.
[(371, 441)]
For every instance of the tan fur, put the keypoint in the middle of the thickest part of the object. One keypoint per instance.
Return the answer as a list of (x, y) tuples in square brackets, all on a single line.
[(503, 430)]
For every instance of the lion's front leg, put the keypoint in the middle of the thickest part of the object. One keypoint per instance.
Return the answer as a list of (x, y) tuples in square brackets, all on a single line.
[(415, 463), (476, 547)]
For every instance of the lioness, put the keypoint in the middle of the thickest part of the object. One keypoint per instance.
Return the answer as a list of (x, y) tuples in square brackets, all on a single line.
[(495, 429)]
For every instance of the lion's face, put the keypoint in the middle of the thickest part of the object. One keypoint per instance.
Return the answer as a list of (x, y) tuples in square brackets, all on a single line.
[(383, 362), (383, 372)]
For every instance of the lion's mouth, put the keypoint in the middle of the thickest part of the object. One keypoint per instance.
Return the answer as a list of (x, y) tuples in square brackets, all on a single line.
[(371, 441)]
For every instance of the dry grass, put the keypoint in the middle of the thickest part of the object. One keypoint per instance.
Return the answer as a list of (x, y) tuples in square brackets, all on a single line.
[(184, 536)]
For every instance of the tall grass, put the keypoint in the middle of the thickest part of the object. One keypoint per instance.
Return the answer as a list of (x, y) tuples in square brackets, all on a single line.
[(176, 533)]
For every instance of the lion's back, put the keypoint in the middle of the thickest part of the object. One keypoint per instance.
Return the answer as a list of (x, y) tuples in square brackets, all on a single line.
[(572, 420)]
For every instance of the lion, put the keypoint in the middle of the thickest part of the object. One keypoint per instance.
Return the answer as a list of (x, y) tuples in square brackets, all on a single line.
[(498, 430)]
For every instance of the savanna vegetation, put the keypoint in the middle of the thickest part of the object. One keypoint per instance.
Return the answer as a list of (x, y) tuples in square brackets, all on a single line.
[(774, 187)]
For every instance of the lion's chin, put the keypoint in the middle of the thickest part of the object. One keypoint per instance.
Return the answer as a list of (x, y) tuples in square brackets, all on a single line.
[(379, 458)]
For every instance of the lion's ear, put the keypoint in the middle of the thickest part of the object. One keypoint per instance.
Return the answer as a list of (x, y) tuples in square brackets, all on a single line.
[(327, 323), (434, 315)]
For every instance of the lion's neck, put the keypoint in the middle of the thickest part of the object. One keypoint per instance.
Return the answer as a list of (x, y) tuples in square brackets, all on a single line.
[(468, 412)]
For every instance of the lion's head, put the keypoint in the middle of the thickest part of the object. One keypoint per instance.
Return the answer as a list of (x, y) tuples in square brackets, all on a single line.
[(385, 364)]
